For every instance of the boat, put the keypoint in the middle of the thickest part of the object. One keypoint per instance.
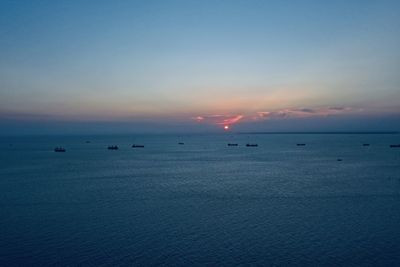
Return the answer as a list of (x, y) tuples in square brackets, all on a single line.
[(365, 144), (137, 145), (113, 147), (251, 145), (87, 142), (301, 144), (231, 144), (398, 145), (59, 149), (339, 160), (181, 143)]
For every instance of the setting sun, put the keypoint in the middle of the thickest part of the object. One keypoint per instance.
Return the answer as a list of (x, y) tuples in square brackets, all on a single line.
[(226, 127)]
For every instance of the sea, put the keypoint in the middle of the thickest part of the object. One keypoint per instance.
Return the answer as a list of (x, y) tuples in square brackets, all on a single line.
[(331, 202)]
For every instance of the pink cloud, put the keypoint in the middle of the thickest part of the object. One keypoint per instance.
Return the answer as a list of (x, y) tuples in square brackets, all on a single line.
[(219, 119), (302, 112)]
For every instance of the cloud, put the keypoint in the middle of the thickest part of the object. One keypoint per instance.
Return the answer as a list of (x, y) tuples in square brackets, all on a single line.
[(306, 110), (337, 108), (271, 114), (219, 119), (302, 112)]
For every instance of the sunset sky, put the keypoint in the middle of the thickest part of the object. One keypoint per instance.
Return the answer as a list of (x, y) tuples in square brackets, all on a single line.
[(199, 65)]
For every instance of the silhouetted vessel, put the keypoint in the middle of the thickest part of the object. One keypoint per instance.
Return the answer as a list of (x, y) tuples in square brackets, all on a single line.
[(398, 145), (251, 145), (301, 144), (59, 149), (231, 144), (339, 160), (113, 147), (137, 145), (181, 143), (87, 142), (365, 144)]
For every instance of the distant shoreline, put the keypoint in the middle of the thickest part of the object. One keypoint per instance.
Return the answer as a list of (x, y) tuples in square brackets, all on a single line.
[(385, 132), (88, 135)]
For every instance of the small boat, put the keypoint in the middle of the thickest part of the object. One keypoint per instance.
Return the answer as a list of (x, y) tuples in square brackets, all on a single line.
[(87, 142), (113, 147), (231, 144), (339, 160), (137, 145), (251, 145), (59, 149), (365, 144), (181, 143), (301, 144), (398, 145)]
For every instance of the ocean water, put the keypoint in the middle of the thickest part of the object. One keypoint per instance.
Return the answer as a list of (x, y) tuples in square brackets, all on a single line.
[(202, 203)]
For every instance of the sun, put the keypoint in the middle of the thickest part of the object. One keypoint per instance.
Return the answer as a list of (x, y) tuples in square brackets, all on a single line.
[(226, 127)]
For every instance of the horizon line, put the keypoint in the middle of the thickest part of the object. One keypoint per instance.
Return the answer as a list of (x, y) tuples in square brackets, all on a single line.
[(324, 132)]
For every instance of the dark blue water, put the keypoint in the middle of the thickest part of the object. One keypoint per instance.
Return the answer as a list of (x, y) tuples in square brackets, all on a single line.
[(201, 203)]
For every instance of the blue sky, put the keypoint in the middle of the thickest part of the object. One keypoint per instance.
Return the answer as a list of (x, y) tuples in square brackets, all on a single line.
[(199, 65)]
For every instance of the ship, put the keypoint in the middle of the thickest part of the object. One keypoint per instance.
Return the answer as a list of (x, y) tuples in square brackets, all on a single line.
[(251, 145), (59, 149), (137, 145)]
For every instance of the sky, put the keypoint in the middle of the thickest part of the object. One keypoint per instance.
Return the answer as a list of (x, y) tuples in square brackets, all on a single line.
[(197, 66)]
